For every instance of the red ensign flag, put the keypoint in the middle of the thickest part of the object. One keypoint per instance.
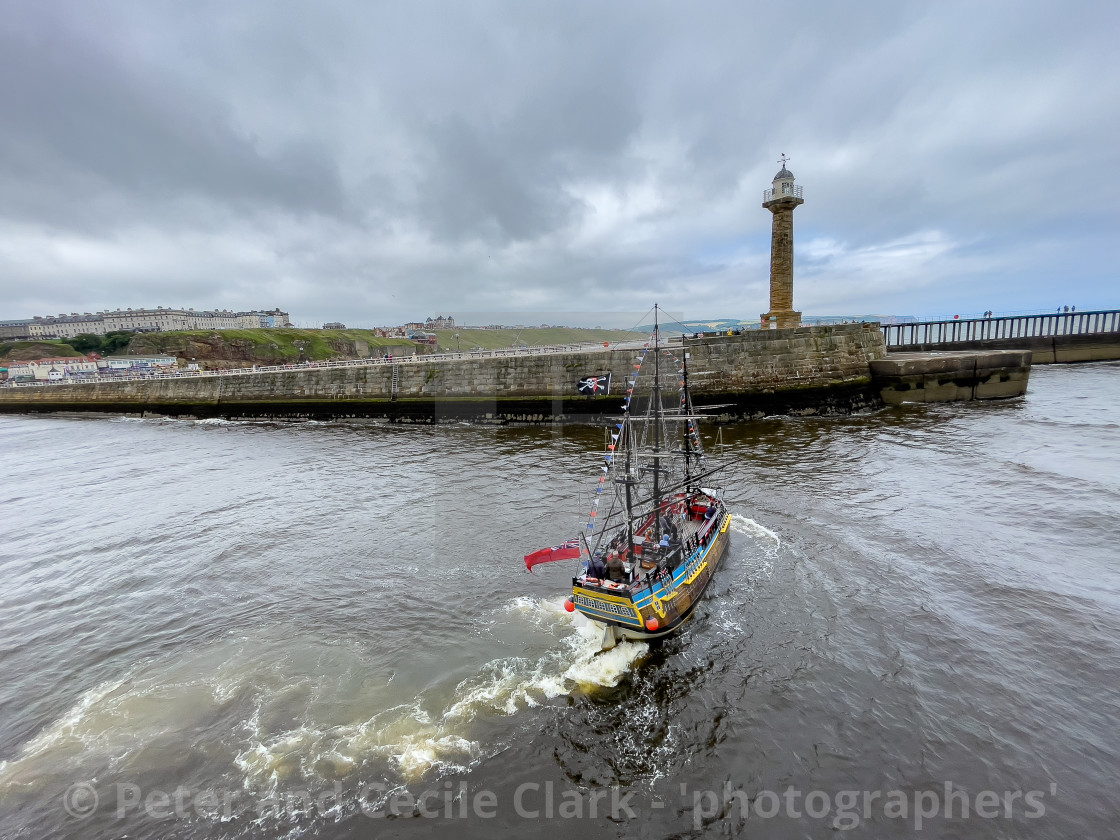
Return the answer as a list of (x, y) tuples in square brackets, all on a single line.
[(567, 551)]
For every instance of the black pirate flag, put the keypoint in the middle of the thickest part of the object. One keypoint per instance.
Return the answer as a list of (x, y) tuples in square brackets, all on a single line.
[(595, 386)]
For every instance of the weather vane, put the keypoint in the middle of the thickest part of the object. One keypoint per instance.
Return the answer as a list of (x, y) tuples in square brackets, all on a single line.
[(783, 160)]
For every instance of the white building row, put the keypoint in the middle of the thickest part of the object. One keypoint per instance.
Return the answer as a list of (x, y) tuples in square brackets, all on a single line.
[(76, 367), (139, 320)]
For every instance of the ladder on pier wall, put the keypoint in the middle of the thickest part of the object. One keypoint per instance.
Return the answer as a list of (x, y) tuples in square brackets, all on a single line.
[(394, 386)]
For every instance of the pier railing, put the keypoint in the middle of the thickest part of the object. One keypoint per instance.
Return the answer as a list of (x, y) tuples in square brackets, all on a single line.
[(993, 329), (137, 375)]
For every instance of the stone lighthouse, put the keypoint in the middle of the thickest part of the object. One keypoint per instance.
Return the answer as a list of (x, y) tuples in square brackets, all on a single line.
[(781, 199)]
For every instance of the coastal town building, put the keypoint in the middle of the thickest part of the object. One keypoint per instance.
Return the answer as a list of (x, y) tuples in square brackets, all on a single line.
[(61, 368), (117, 363), (159, 319), (334, 325), (55, 368), (440, 322)]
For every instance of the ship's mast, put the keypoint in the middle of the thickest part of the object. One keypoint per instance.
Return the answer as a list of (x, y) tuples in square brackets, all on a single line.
[(626, 429), (686, 444), (656, 426)]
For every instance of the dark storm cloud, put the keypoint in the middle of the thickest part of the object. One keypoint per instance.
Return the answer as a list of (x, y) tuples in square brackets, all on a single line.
[(374, 161)]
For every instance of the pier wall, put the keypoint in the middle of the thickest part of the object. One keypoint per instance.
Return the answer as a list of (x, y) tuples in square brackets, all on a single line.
[(946, 376), (807, 370)]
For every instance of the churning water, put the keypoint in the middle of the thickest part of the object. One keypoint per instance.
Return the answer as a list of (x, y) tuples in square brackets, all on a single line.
[(231, 630)]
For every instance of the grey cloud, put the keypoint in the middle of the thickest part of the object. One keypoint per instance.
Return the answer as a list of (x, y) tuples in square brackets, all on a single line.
[(81, 122), (381, 159)]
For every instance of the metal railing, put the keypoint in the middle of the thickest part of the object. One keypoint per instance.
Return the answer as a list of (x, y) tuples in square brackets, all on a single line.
[(995, 329), (793, 191), (583, 347)]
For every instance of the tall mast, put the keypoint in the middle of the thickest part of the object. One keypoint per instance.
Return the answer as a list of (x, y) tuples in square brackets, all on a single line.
[(656, 426), (686, 444), (626, 429)]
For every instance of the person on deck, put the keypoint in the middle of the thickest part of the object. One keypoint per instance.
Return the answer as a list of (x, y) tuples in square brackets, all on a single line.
[(615, 570)]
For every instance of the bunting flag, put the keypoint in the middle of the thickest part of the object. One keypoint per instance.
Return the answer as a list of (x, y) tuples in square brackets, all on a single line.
[(565, 551)]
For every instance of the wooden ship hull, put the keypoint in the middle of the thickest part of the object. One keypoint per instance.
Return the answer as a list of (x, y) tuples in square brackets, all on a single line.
[(658, 604)]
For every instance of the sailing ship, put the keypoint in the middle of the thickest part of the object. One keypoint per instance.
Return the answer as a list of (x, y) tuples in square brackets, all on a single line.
[(657, 530)]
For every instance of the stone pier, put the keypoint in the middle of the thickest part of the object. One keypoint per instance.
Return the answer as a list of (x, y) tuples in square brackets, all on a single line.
[(810, 370), (950, 376)]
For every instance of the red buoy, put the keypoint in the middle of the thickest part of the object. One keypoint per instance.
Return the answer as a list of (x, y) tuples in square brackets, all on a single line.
[(652, 624), (568, 605)]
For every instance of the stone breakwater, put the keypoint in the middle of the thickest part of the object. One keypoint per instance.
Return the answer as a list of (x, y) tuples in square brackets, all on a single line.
[(950, 376), (807, 370)]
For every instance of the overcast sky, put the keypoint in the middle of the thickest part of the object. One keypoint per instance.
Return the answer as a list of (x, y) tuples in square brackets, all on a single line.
[(377, 162)]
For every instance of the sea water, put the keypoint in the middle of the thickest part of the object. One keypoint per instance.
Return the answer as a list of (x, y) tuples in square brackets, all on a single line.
[(223, 630)]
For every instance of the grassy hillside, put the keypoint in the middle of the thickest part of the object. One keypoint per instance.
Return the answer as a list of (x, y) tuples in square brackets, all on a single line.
[(531, 336), (234, 348), (265, 346), (26, 351)]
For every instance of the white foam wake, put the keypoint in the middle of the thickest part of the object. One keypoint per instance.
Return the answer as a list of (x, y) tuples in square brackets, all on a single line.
[(507, 685), (311, 724), (61, 743), (745, 525), (416, 741)]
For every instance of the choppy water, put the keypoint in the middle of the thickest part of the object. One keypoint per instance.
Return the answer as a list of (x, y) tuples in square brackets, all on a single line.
[(217, 630)]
